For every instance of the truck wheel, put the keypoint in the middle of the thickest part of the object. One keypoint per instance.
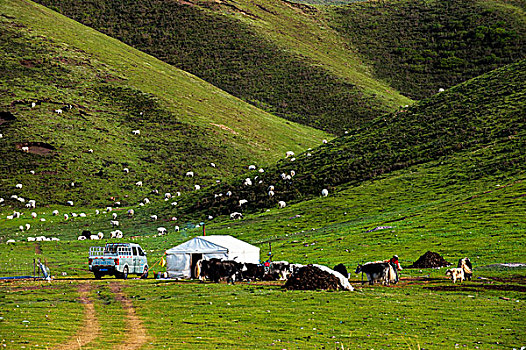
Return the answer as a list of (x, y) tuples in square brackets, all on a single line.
[(145, 273), (125, 273), (98, 275)]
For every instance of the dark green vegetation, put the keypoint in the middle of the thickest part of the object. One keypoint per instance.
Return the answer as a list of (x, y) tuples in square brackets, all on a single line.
[(105, 90), (272, 54), (421, 46), (478, 126)]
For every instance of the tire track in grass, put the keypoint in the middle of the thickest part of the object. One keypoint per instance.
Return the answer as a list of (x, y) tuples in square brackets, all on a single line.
[(135, 332), (90, 328)]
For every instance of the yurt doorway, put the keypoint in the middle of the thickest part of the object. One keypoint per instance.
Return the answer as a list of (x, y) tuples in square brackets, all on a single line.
[(193, 264)]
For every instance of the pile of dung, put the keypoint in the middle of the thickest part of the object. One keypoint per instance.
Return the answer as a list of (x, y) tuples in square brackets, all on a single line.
[(313, 278), (429, 260)]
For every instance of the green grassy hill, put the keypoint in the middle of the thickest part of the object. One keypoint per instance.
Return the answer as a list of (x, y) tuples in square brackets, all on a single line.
[(277, 55), (480, 122), (421, 46), (105, 90)]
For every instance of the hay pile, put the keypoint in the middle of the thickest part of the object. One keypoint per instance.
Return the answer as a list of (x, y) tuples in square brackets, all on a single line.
[(310, 277), (429, 260)]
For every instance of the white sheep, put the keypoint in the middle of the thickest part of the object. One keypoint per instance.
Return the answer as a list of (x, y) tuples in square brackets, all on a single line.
[(42, 219), (81, 238), (236, 215), (161, 230), (119, 234), (55, 212), (117, 204), (292, 173), (32, 172), (197, 187), (229, 193), (131, 212), (2, 200), (136, 132), (178, 194), (31, 204), (441, 90), (28, 226), (25, 149), (33, 104), (31, 239), (58, 111), (9, 217), (252, 167), (109, 209), (261, 170), (18, 186), (66, 216), (82, 215), (138, 183), (242, 201), (114, 223), (17, 214), (74, 215), (21, 200), (324, 141), (324, 192), (190, 174), (289, 154), (100, 235), (21, 228), (282, 204), (153, 217), (212, 165), (70, 203), (126, 170), (292, 159), (176, 228), (146, 201), (1, 136), (90, 151), (94, 237), (167, 195), (34, 215), (72, 184), (173, 218), (210, 217), (174, 203), (97, 211), (271, 193), (248, 182), (10, 241), (55, 239), (114, 216)]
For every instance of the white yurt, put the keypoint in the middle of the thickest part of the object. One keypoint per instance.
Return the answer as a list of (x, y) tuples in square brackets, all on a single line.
[(181, 259)]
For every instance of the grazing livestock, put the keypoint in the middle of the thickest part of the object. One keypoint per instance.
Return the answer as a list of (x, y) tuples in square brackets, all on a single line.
[(28, 226), (81, 238), (324, 192), (271, 193), (251, 167), (55, 212), (197, 187), (176, 228), (375, 271), (138, 183), (114, 223), (136, 132), (58, 111), (292, 173), (90, 151), (94, 237), (190, 174), (109, 209), (131, 212), (70, 203), (248, 182), (82, 215), (2, 200), (146, 201), (252, 272), (25, 149), (324, 141), (34, 215), (242, 201), (161, 231), (31, 239), (66, 216), (455, 273), (289, 154), (216, 270), (212, 165), (465, 265), (114, 216), (235, 216), (126, 170), (281, 204), (100, 235), (441, 90), (167, 195), (261, 170), (153, 217), (174, 203), (229, 193), (271, 188), (74, 215), (18, 186), (97, 211), (1, 136)]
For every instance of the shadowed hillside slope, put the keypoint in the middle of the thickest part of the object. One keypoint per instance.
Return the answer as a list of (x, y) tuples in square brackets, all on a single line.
[(421, 46), (274, 54), (71, 98), (482, 120)]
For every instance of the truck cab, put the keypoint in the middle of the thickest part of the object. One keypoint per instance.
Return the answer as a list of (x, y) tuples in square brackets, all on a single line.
[(119, 260)]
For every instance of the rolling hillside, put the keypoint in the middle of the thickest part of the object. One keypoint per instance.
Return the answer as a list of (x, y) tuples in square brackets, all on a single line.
[(72, 96), (275, 54), (480, 122), (421, 46)]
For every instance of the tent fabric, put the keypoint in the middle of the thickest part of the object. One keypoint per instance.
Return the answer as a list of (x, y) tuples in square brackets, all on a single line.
[(179, 258)]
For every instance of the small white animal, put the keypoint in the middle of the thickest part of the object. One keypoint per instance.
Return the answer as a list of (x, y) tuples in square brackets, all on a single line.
[(70, 203), (114, 216), (176, 228), (190, 174), (242, 201), (126, 170), (282, 204), (212, 165), (138, 183), (252, 167), (18, 186), (289, 154), (153, 217), (58, 111), (136, 132), (324, 192), (197, 187), (455, 273), (25, 149)]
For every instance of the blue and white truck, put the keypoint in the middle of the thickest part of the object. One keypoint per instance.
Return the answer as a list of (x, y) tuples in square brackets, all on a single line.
[(119, 260)]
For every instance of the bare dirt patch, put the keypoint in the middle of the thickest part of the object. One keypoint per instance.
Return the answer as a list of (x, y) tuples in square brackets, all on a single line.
[(226, 128), (135, 332), (40, 148), (90, 328)]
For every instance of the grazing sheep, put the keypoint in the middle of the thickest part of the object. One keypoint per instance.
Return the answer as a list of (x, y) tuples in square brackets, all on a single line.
[(289, 154), (271, 193), (9, 217), (324, 192), (32, 172), (74, 215), (229, 193), (161, 231), (21, 228), (174, 203), (441, 90), (190, 174), (282, 204), (42, 219), (271, 188), (55, 212), (58, 111), (131, 212), (210, 217), (242, 201), (173, 218), (248, 182), (25, 149), (21, 200), (146, 201), (81, 238), (126, 170), (178, 194), (28, 226), (197, 187), (97, 211), (55, 239), (212, 165), (32, 203), (292, 173), (292, 159), (136, 132), (31, 239), (138, 183), (167, 195), (72, 184), (16, 214), (153, 217), (109, 209), (33, 104), (2, 200), (18, 186), (10, 241), (114, 223), (100, 235), (117, 204), (70, 203), (1, 136), (34, 215), (236, 215), (176, 228), (114, 216), (90, 151), (119, 234), (82, 215), (94, 237), (324, 141), (66, 216), (251, 167)]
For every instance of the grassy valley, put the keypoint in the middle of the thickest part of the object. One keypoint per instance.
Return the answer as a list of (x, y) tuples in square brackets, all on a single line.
[(103, 92), (419, 47)]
